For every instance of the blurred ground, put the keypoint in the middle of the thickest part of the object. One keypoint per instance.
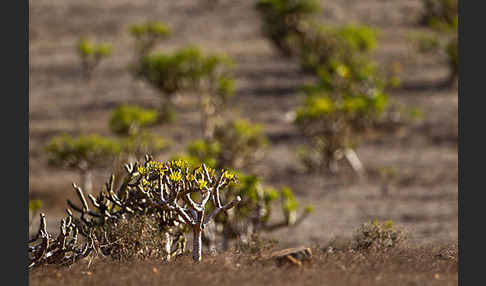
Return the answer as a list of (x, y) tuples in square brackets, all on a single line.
[(415, 266), (423, 196)]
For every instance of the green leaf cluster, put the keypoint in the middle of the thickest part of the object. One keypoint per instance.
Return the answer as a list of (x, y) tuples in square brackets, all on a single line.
[(225, 87), (341, 49), (87, 49), (84, 151), (142, 143), (236, 144), (35, 205), (91, 55), (129, 119), (147, 35), (184, 69), (355, 109), (333, 124), (181, 172), (241, 143), (152, 28), (167, 73), (348, 95), (282, 21), (204, 151), (258, 202)]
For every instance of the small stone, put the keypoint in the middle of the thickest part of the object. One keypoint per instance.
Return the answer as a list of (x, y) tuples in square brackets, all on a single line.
[(294, 256)]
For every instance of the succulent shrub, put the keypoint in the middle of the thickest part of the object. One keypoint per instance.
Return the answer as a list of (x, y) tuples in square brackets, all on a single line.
[(441, 15), (63, 249), (202, 151), (239, 144), (256, 211), (284, 22), (190, 70), (91, 54), (346, 101), (84, 154), (349, 92), (340, 49), (167, 199), (213, 83), (128, 120), (378, 236), (290, 26), (344, 72), (236, 144), (147, 35), (333, 126), (167, 73), (144, 142), (242, 143), (132, 123)]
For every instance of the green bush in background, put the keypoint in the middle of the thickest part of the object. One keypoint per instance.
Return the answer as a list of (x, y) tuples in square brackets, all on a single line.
[(132, 123), (345, 47), (283, 22), (168, 74), (129, 119), (147, 35), (190, 70), (348, 95), (333, 127), (84, 154), (91, 55), (256, 212), (237, 144)]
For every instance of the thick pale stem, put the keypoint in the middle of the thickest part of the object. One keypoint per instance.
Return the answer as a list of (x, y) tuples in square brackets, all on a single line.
[(168, 244), (87, 179), (197, 244), (354, 162)]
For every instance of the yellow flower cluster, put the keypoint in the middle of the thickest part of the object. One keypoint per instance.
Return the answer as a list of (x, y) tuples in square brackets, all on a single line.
[(229, 175), (175, 176)]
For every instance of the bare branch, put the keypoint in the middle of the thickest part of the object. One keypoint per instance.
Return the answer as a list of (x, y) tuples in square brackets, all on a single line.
[(216, 210), (79, 191)]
